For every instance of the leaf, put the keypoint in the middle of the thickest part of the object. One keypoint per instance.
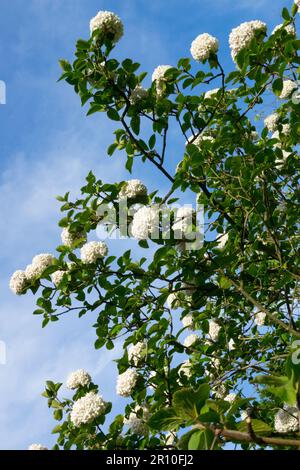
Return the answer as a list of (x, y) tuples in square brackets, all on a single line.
[(259, 427), (277, 86), (165, 419), (188, 402), (224, 283), (113, 114), (201, 440), (135, 124), (285, 14)]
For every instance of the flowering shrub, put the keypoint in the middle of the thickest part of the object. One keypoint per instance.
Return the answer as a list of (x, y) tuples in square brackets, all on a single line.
[(236, 295)]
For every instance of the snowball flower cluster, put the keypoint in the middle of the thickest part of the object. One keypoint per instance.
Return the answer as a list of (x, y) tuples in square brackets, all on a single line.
[(159, 78), (288, 87), (222, 240), (188, 321), (126, 382), (211, 93), (138, 425), (136, 351), (92, 251), (139, 93), (241, 36), (231, 345), (271, 122), (183, 220), (289, 28), (133, 189), (185, 368), (190, 340), (214, 330), (18, 282), (78, 378), (37, 447), (286, 420), (200, 139), (68, 238), (109, 23), (297, 2), (87, 408), (57, 277), (173, 302), (38, 266), (260, 318), (231, 397), (203, 46), (145, 223)]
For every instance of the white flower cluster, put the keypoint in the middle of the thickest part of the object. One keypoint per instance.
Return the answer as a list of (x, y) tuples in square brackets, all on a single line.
[(241, 36), (231, 397), (136, 351), (145, 222), (92, 251), (139, 93), (126, 382), (18, 282), (231, 345), (138, 425), (211, 93), (286, 420), (185, 369), (297, 2), (271, 122), (260, 318), (38, 266), (288, 87), (200, 139), (190, 340), (87, 408), (289, 28), (222, 240), (188, 321), (183, 220), (78, 378), (204, 46), (159, 78), (108, 23), (57, 277), (68, 238), (37, 447), (214, 330), (132, 189), (173, 302)]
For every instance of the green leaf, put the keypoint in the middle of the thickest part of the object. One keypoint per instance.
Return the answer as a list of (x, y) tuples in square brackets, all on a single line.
[(259, 427), (165, 419), (188, 402), (285, 14), (201, 440), (135, 124), (113, 114), (277, 86)]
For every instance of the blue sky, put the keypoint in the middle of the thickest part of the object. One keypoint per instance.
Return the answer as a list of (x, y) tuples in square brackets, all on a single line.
[(47, 148)]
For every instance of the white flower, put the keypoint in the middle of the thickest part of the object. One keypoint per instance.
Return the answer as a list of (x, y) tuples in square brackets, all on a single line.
[(260, 318), (230, 397), (87, 408), (18, 282), (38, 266), (271, 122), (214, 330), (188, 321), (203, 46), (288, 87), (135, 352), (57, 277), (297, 2), (108, 23), (139, 93), (170, 438), (78, 378), (209, 94), (159, 78), (289, 28), (190, 340), (185, 369), (37, 447), (286, 420), (200, 139), (126, 382), (222, 240), (92, 251), (241, 36), (173, 302), (138, 425), (286, 129), (220, 391), (68, 238), (183, 220), (145, 223), (133, 189), (231, 345)]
